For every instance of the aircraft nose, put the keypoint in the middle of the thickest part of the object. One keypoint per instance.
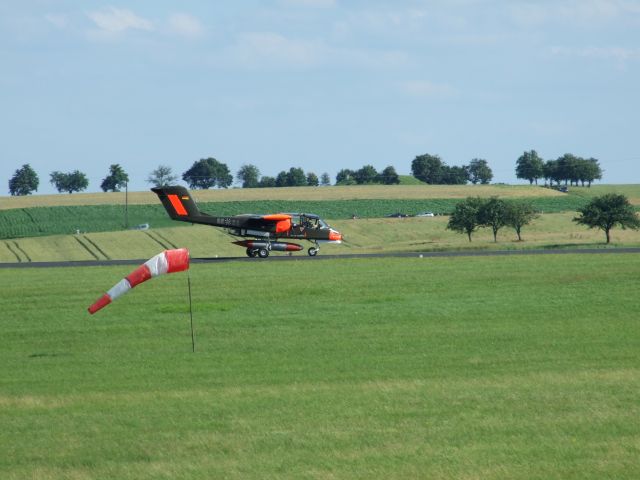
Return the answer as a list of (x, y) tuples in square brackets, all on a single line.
[(335, 236)]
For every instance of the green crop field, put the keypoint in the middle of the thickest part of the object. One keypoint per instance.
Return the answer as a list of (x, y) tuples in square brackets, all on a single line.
[(521, 367), (41, 221)]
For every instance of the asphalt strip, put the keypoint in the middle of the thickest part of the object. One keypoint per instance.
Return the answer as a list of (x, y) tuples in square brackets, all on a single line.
[(468, 253)]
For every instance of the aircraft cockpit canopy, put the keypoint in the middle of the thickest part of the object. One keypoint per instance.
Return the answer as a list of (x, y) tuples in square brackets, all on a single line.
[(312, 221)]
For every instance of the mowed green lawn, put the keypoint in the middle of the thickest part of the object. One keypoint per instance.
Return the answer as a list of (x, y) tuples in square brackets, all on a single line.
[(467, 368)]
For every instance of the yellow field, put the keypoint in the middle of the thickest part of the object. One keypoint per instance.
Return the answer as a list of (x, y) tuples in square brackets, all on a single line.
[(288, 193)]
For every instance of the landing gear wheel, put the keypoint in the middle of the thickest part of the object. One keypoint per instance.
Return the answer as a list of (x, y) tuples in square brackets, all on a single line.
[(251, 252), (263, 253), (313, 251)]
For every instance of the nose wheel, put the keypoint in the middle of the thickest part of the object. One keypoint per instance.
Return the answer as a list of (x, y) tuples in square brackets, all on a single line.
[(313, 251)]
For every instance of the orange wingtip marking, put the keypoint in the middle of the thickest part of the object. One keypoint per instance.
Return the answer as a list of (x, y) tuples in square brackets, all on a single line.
[(177, 205), (276, 217)]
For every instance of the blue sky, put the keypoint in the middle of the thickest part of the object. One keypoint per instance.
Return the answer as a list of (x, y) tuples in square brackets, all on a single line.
[(317, 84)]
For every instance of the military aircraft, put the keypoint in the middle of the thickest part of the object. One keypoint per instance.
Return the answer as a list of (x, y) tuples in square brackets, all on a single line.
[(265, 232)]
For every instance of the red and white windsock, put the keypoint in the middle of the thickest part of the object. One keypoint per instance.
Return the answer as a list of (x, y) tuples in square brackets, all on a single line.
[(168, 261)]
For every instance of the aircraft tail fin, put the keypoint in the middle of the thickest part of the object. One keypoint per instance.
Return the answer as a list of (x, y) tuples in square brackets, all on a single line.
[(178, 203)]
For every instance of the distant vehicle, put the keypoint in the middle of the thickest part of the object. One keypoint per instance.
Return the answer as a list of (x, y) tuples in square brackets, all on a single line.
[(425, 214), (397, 215)]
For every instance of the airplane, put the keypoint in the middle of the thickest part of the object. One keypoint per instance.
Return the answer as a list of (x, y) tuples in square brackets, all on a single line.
[(265, 232)]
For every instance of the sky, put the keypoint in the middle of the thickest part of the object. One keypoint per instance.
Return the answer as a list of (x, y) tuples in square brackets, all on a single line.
[(317, 84)]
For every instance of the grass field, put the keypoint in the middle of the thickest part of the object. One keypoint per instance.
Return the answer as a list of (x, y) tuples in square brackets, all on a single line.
[(466, 368), (375, 235)]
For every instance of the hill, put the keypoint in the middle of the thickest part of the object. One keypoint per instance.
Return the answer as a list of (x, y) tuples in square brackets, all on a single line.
[(97, 231)]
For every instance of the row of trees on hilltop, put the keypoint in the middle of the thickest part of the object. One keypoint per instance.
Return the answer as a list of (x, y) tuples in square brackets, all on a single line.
[(203, 174), (211, 173), (26, 181), (250, 177), (568, 169), (432, 170), (368, 175)]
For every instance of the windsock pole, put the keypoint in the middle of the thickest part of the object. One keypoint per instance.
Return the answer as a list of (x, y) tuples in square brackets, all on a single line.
[(193, 338)]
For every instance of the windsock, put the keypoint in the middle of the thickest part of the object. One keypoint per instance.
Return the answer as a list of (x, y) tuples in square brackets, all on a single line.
[(168, 261)]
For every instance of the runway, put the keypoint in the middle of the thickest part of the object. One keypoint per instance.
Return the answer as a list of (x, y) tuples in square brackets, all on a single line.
[(285, 258)]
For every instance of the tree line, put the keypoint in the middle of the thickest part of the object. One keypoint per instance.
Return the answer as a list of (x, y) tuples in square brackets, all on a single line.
[(495, 213), (26, 181), (604, 212), (431, 169), (568, 169)]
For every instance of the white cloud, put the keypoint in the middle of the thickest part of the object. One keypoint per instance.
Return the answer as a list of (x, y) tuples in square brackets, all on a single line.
[(426, 89), (112, 21), (185, 25)]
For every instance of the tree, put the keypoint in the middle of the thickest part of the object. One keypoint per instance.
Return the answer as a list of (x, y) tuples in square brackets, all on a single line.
[(590, 171), (389, 176), (312, 179), (366, 175), (607, 211), (519, 214), (427, 168), (530, 166), (479, 171), (493, 213), (572, 169), (296, 177), (267, 182), (248, 175), (454, 175), (116, 179), (551, 172), (75, 181), (24, 181), (207, 173), (282, 180), (162, 176), (464, 218), (567, 168), (345, 177), (325, 179)]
